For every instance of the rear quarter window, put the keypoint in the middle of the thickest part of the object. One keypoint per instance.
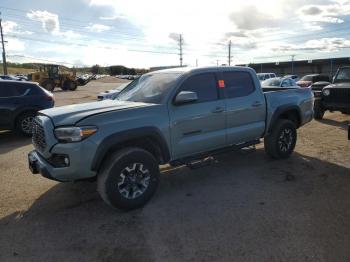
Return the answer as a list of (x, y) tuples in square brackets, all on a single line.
[(238, 84)]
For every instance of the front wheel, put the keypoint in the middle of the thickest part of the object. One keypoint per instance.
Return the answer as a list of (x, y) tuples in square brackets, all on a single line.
[(128, 179), (280, 143)]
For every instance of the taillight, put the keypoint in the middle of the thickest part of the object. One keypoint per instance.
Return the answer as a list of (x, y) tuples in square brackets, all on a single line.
[(50, 98)]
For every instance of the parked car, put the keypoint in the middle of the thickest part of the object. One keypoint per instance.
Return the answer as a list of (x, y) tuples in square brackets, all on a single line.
[(19, 103), (282, 82), (264, 76), (22, 77), (335, 96), (171, 116), (112, 94), (294, 77), (8, 77), (308, 80)]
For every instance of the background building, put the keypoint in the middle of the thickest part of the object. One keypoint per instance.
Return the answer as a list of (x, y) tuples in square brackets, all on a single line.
[(302, 67)]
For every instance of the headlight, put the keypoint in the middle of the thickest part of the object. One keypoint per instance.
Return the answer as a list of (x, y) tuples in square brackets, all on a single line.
[(326, 92), (74, 134)]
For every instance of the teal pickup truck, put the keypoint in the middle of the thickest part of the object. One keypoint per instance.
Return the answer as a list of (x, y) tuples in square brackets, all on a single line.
[(174, 117)]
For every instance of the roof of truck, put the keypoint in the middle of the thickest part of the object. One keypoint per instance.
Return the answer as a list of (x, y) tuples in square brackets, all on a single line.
[(203, 69)]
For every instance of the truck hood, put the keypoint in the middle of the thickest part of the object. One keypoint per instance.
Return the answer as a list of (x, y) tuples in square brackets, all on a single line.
[(71, 114), (340, 85)]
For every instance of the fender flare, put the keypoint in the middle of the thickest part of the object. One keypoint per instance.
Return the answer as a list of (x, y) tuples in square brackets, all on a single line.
[(280, 111), (112, 141)]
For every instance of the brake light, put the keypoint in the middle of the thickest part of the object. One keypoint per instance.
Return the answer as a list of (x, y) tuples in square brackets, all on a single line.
[(50, 98)]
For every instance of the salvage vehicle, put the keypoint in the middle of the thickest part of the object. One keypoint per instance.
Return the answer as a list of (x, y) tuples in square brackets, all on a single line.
[(19, 103), (113, 94), (173, 116), (308, 80), (265, 76), (335, 96), (279, 82)]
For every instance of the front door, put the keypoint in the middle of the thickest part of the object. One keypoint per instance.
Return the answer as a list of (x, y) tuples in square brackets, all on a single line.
[(199, 126)]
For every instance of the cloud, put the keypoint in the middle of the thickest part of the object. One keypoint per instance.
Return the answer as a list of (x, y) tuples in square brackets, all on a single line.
[(48, 20), (15, 44), (9, 26), (326, 13), (323, 44), (98, 28), (250, 18), (174, 36)]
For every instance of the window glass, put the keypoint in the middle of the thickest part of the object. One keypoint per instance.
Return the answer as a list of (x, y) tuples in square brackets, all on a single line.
[(204, 85), (238, 84), (23, 89), (7, 90)]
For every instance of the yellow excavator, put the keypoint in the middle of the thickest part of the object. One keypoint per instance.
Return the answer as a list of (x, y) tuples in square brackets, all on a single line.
[(50, 77)]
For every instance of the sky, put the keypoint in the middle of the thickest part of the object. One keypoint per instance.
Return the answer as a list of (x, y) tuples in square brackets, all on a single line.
[(145, 34)]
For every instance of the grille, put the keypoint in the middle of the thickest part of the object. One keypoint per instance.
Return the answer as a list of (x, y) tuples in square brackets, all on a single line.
[(340, 95), (38, 135)]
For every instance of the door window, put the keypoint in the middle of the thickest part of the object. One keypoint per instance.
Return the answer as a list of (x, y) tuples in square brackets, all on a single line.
[(204, 85), (7, 90), (238, 84)]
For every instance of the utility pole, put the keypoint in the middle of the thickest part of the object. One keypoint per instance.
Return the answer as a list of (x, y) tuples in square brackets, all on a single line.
[(196, 62), (3, 49), (217, 62), (229, 53), (292, 63), (180, 43)]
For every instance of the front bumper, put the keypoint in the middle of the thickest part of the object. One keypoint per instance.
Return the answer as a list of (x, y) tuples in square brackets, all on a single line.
[(38, 165), (78, 168)]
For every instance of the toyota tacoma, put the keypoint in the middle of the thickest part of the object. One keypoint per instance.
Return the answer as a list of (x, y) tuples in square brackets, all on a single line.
[(173, 116)]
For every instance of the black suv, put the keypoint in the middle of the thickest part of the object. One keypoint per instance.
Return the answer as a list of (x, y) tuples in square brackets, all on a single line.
[(19, 103), (335, 96)]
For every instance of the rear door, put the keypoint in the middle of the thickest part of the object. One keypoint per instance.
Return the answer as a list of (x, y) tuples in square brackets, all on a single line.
[(245, 105), (200, 126), (8, 103)]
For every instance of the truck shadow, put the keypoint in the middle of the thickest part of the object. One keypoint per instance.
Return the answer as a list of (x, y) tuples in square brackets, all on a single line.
[(70, 220), (9, 141), (342, 124)]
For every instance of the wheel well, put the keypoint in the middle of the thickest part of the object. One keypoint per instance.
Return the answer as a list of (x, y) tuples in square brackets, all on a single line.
[(149, 144), (292, 115)]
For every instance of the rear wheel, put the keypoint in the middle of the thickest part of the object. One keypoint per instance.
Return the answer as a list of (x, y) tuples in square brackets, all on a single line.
[(318, 110), (24, 123), (48, 85), (280, 143), (128, 179)]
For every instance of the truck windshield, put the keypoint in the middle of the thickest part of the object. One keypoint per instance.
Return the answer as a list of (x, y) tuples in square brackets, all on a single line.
[(150, 88), (343, 75)]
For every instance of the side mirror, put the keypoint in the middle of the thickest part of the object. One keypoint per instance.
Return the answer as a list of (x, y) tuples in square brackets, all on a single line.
[(185, 97)]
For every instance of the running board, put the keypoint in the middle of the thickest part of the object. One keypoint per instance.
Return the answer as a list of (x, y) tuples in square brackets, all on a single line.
[(197, 160)]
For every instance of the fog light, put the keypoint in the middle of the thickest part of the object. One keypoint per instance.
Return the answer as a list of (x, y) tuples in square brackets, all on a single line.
[(58, 160)]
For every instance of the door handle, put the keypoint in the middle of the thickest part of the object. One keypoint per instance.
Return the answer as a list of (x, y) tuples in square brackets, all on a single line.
[(218, 110), (256, 104)]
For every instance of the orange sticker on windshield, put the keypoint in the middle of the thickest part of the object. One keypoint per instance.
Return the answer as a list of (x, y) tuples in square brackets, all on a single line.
[(221, 83)]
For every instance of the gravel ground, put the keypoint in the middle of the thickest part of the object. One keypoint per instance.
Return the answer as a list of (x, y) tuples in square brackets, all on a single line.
[(241, 207)]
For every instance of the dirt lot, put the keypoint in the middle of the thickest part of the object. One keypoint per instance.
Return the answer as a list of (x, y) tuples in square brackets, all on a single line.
[(243, 207)]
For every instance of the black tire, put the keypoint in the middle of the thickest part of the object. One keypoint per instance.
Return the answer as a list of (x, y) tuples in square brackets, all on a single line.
[(69, 85), (279, 147), (318, 111), (122, 173), (24, 123), (48, 85)]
